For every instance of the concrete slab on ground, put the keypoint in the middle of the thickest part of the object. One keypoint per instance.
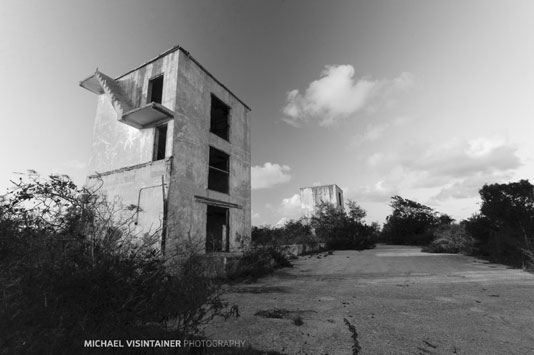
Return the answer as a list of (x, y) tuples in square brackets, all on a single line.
[(400, 301)]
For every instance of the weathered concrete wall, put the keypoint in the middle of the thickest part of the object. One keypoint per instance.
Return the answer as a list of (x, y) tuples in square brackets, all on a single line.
[(123, 154), (117, 145), (192, 139), (140, 186), (310, 197)]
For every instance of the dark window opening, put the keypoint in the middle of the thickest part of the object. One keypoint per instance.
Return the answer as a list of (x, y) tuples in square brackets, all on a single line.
[(219, 171), (155, 89), (160, 142), (217, 231), (340, 200), (219, 118)]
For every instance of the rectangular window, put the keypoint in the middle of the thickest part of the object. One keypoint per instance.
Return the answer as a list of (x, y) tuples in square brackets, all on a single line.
[(155, 89), (219, 171), (219, 118), (339, 199), (160, 142)]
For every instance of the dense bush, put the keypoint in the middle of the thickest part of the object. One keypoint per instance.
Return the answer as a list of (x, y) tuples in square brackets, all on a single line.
[(70, 270), (504, 228), (451, 239), (411, 223), (341, 229), (292, 232), (258, 262), (337, 228)]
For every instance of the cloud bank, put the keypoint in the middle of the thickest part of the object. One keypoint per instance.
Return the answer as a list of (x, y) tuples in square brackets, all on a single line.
[(269, 175), (338, 95), (456, 170)]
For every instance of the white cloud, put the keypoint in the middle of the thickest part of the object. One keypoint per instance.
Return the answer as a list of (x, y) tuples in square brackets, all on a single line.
[(269, 174), (403, 81), (291, 206), (375, 159), (378, 192), (282, 221), (469, 187), (483, 146), (374, 132), (337, 95), (455, 170), (467, 158)]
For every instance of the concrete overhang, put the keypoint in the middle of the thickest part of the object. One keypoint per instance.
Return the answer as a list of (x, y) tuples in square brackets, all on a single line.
[(147, 116), (92, 84)]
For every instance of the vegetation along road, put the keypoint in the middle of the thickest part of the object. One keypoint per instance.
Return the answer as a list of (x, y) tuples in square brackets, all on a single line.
[(398, 299)]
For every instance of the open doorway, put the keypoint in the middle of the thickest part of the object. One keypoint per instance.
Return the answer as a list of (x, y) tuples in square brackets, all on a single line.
[(217, 231)]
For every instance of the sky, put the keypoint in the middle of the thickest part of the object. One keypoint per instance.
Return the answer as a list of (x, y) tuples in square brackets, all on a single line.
[(429, 100)]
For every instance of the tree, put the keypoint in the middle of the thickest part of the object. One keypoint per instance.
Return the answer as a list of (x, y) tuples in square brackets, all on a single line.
[(343, 230), (292, 232), (356, 213), (411, 222), (507, 213)]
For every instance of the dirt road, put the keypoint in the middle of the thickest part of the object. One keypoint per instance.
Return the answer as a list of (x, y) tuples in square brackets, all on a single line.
[(399, 300)]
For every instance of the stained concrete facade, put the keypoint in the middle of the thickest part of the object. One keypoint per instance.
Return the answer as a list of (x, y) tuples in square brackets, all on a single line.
[(311, 197), (154, 147)]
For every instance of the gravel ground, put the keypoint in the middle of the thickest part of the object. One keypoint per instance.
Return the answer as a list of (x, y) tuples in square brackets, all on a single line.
[(399, 300)]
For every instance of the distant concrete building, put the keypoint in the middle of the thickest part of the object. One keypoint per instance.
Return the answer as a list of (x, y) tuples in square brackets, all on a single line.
[(174, 142), (311, 197)]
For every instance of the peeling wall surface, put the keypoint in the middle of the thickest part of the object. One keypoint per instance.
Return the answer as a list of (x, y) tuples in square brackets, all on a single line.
[(117, 145), (189, 195), (138, 186), (310, 197), (122, 155)]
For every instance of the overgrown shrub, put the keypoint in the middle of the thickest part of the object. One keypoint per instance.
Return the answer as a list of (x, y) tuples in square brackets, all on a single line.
[(504, 227), (292, 232), (337, 228), (411, 223), (70, 270), (298, 232), (451, 239), (343, 230), (266, 235), (259, 262)]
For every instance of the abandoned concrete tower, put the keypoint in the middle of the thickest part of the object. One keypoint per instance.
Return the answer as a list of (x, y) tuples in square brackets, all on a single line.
[(173, 142), (311, 197)]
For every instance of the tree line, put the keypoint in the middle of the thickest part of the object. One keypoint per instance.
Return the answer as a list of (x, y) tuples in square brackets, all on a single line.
[(501, 231)]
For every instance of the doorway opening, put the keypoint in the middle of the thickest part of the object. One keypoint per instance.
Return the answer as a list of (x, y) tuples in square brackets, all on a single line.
[(217, 229)]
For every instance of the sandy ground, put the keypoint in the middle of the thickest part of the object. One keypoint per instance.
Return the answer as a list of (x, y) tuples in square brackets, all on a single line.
[(400, 301)]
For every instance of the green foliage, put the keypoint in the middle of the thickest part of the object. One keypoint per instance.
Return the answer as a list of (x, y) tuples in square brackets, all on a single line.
[(451, 238), (297, 232), (334, 227), (505, 226), (478, 226), (411, 222), (259, 262), (70, 270), (343, 230), (292, 232)]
